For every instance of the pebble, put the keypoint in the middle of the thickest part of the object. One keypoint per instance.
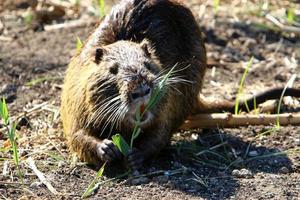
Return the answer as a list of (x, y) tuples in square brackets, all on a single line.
[(284, 170), (253, 153), (36, 184), (242, 173), (61, 164), (297, 141), (1, 27)]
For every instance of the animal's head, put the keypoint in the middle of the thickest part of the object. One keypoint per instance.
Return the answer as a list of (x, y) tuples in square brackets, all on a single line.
[(123, 79)]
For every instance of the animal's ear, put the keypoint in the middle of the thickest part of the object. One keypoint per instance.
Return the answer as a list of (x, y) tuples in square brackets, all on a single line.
[(99, 54), (146, 46)]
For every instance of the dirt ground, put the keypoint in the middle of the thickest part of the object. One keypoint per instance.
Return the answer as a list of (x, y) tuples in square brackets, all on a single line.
[(239, 163)]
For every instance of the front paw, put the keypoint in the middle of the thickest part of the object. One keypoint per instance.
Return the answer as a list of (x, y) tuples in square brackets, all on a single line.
[(107, 151), (135, 159)]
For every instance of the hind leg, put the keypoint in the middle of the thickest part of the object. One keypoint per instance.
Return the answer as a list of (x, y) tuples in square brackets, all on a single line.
[(93, 150)]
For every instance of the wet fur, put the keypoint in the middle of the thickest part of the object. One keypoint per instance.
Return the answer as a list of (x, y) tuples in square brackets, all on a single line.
[(172, 41), (137, 33)]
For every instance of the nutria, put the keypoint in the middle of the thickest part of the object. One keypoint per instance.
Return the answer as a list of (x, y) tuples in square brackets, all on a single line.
[(116, 72)]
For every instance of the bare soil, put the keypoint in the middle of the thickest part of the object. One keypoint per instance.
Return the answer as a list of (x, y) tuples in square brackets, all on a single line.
[(239, 163)]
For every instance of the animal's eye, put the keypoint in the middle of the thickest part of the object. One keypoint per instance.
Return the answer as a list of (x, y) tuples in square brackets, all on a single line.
[(114, 69), (98, 55)]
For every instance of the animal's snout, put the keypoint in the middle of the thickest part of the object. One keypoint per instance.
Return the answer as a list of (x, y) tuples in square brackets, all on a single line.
[(140, 92)]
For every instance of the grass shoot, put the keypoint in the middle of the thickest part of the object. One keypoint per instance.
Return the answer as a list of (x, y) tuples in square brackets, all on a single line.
[(288, 85), (291, 16), (241, 86), (102, 8), (79, 44), (41, 80), (216, 4), (11, 132), (88, 192)]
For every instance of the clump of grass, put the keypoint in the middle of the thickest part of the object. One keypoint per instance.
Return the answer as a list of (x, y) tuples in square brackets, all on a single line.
[(241, 86), (28, 17), (11, 132)]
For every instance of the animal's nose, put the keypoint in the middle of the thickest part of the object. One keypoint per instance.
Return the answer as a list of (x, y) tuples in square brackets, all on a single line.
[(140, 92)]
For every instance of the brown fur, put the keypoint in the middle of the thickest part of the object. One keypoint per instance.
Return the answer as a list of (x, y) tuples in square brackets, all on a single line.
[(171, 41), (138, 40)]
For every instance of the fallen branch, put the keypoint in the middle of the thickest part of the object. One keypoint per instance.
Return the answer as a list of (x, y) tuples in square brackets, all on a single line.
[(70, 24), (227, 120), (283, 27), (12, 183), (41, 176), (5, 39)]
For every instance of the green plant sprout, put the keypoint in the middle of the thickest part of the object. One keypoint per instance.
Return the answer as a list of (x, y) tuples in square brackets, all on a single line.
[(291, 16), (288, 85), (11, 132), (79, 44), (216, 5), (41, 80), (91, 186), (102, 8), (241, 86)]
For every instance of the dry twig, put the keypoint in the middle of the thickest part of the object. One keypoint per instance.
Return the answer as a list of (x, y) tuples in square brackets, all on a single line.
[(70, 24), (283, 27), (41, 176), (227, 120)]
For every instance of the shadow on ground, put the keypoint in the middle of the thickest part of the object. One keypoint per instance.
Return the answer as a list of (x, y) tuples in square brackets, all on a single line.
[(213, 163)]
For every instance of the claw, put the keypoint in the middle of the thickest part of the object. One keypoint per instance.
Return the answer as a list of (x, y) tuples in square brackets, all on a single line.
[(107, 151)]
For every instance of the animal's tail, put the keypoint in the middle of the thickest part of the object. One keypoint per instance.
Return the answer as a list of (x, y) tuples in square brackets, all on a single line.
[(205, 106)]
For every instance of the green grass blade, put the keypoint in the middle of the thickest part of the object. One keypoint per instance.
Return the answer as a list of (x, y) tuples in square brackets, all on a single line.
[(289, 84), (102, 8), (90, 190), (4, 112), (291, 16), (120, 142), (241, 86), (43, 79), (216, 5), (159, 91), (135, 134), (79, 44)]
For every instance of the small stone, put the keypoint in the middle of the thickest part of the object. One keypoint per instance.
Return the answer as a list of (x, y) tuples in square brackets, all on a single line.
[(297, 141), (1, 27), (195, 136), (284, 170), (61, 164), (253, 153), (36, 184), (243, 173)]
